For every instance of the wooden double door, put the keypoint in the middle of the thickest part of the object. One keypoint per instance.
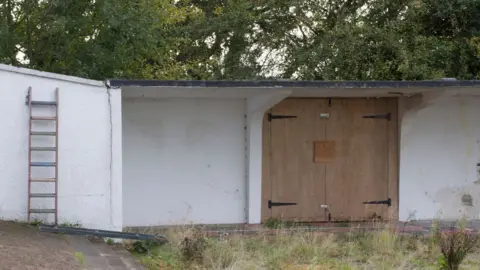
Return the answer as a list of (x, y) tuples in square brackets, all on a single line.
[(330, 160)]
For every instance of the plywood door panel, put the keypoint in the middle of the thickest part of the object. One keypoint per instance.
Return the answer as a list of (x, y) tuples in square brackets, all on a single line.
[(324, 151), (294, 177), (360, 171)]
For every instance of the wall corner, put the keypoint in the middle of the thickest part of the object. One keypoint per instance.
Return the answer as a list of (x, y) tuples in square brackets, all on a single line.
[(256, 108), (115, 126)]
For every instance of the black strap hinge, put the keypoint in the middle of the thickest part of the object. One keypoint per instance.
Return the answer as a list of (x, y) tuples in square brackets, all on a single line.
[(387, 116), (274, 116), (272, 204), (387, 202)]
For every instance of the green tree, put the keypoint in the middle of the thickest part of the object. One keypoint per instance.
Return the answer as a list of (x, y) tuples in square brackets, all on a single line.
[(243, 39), (93, 39)]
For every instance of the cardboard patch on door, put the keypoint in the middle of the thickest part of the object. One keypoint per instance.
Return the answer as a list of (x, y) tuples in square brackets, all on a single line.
[(323, 151)]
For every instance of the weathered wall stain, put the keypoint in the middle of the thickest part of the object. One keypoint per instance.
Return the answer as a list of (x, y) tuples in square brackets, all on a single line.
[(440, 157), (467, 200), (456, 202), (478, 172)]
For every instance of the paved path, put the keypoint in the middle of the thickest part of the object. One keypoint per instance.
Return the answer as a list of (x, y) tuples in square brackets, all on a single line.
[(96, 255), (25, 247)]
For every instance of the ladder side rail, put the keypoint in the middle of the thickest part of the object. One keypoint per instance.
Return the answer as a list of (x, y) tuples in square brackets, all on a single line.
[(56, 154), (29, 100)]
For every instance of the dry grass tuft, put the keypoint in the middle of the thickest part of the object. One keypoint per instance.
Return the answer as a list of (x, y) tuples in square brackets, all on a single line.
[(455, 245), (189, 248)]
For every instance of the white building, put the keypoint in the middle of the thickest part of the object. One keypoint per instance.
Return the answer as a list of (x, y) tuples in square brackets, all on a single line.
[(148, 153)]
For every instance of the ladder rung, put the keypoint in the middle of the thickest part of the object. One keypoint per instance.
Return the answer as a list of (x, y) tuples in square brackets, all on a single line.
[(43, 118), (43, 148), (43, 164), (42, 195), (43, 180), (44, 103), (43, 133), (43, 211)]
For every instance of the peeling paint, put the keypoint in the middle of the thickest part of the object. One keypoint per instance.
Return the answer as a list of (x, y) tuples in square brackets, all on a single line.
[(458, 202), (467, 200), (478, 174)]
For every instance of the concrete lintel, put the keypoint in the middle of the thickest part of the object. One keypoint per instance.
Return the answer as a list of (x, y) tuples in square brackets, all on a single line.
[(256, 108)]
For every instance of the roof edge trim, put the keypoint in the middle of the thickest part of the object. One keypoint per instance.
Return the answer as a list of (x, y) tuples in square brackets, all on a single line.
[(50, 75), (295, 84)]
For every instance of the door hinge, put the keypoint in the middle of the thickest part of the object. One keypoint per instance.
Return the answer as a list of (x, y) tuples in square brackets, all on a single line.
[(274, 116), (272, 204), (387, 202), (387, 116)]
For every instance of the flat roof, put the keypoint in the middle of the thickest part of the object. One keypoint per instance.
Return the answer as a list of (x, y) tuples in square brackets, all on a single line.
[(117, 83)]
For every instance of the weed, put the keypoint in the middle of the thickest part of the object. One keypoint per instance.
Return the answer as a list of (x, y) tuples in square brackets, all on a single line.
[(71, 225), (80, 257), (274, 223), (193, 247), (455, 245), (35, 223), (142, 247), (110, 241)]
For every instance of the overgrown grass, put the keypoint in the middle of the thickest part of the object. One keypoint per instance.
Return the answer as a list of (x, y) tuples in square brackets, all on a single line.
[(189, 248)]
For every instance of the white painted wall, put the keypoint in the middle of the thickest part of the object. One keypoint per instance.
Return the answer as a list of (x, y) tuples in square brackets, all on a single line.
[(89, 148), (197, 159), (439, 152), (184, 161)]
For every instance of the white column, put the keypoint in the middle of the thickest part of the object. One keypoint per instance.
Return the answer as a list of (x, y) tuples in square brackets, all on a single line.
[(256, 108)]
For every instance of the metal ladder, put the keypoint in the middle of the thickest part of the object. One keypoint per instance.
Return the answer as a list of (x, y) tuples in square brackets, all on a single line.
[(51, 180)]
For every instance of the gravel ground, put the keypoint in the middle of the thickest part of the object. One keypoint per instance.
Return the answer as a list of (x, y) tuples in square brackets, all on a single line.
[(25, 247)]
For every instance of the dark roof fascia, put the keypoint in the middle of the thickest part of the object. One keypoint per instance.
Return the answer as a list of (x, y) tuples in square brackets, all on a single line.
[(293, 84)]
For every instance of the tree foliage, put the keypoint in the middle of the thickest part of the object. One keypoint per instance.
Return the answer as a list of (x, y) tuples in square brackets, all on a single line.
[(244, 39)]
